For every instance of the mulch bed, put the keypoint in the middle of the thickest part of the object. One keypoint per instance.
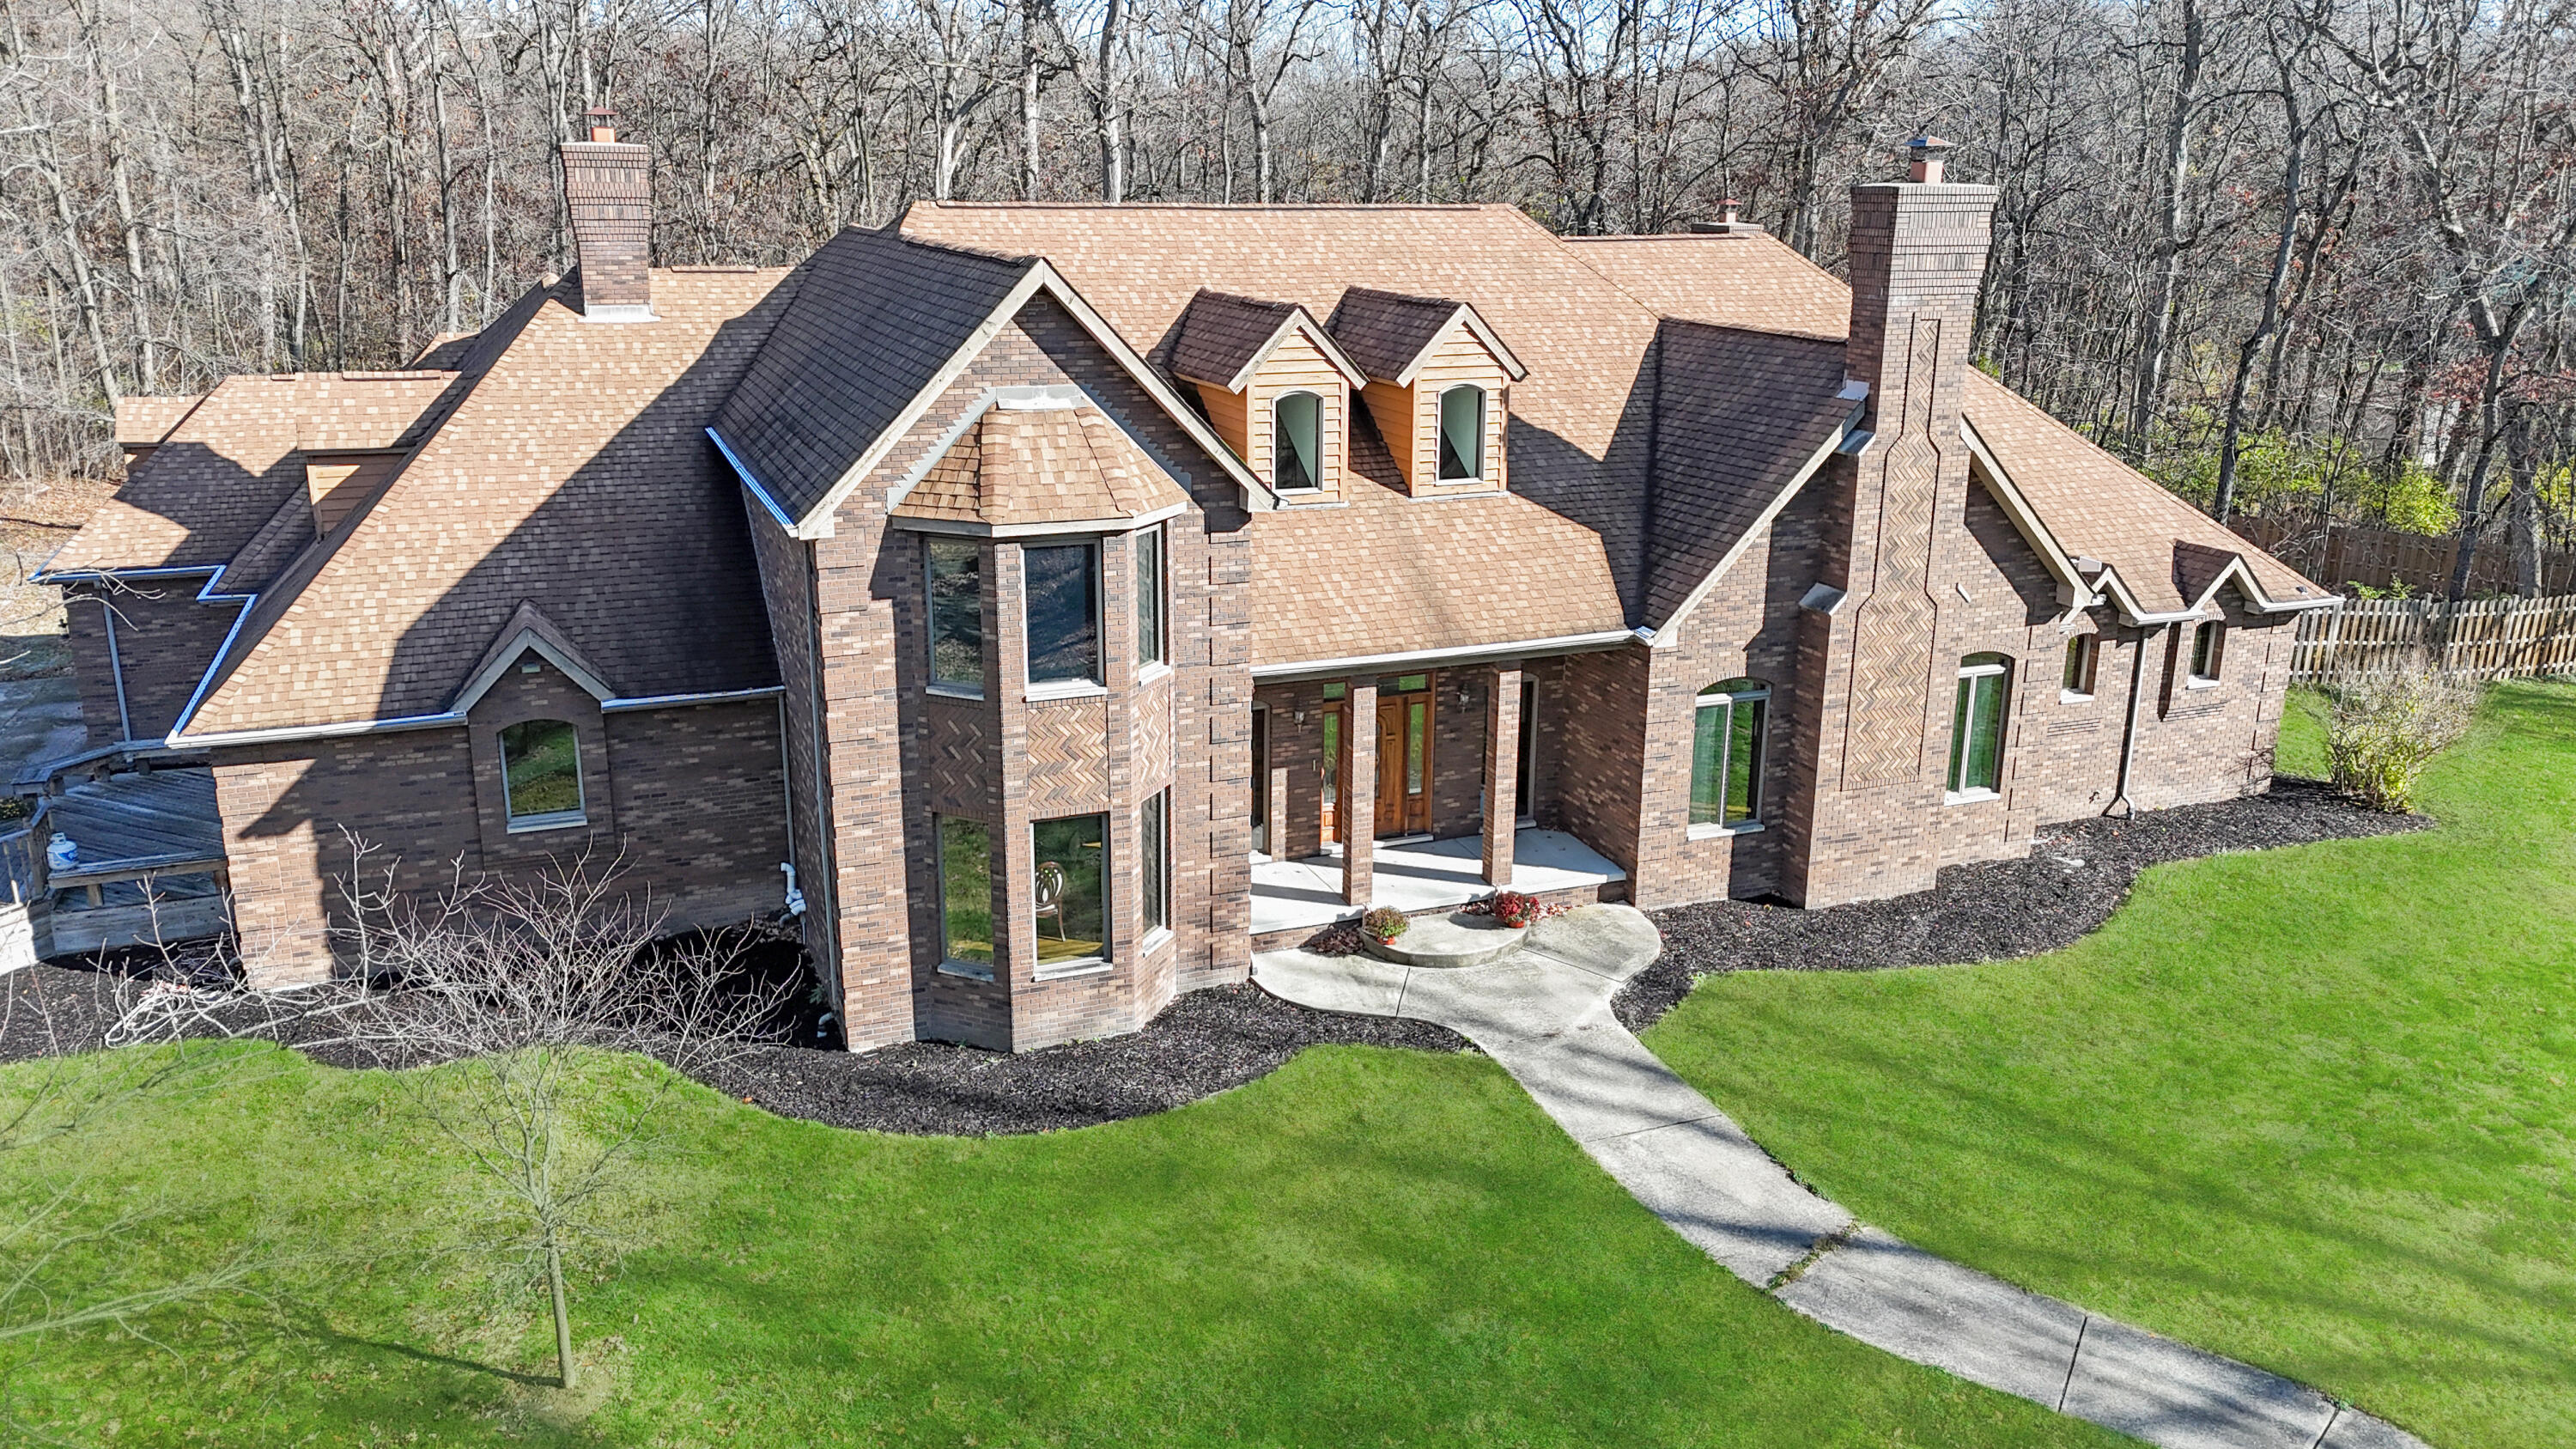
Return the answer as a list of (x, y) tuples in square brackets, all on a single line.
[(1212, 1040), (1202, 1044), (2068, 885)]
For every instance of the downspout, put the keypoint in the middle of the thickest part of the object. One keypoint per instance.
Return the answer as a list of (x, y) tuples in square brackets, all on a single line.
[(787, 798), (2120, 808), (116, 671), (822, 814)]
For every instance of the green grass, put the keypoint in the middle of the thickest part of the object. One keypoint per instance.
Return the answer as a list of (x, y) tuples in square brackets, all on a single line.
[(1367, 1247), (2308, 1107)]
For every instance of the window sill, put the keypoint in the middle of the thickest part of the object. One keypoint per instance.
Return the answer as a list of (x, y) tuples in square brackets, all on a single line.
[(1152, 672), (1039, 693), (2073, 696), (1968, 797), (1154, 940), (560, 820), (1707, 831), (2196, 682), (970, 970), (1065, 970), (953, 691)]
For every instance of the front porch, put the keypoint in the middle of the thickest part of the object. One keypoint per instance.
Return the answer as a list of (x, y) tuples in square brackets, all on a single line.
[(1306, 895)]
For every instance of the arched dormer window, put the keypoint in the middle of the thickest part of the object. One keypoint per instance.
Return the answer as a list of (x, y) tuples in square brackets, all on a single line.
[(1726, 756), (1977, 727), (1296, 441), (541, 774), (1462, 434)]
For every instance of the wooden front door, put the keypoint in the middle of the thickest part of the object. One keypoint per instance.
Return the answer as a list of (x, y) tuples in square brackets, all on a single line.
[(1404, 763)]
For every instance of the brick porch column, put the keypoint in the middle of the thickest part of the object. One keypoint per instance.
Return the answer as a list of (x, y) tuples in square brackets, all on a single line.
[(1359, 791), (1502, 773)]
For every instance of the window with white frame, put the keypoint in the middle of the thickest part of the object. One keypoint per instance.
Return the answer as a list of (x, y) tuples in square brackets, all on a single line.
[(1726, 755), (1062, 584), (2208, 651), (1154, 861), (1149, 597), (1977, 726), (2082, 655), (1462, 434), (541, 774), (1297, 441)]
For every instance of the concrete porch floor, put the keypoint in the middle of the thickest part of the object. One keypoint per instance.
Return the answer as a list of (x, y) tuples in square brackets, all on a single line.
[(1293, 895)]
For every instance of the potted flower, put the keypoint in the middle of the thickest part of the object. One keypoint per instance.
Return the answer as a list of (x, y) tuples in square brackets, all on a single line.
[(1515, 909), (1383, 924)]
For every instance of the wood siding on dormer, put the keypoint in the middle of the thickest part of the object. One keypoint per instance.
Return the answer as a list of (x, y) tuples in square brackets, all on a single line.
[(336, 483), (1243, 419), (1414, 412)]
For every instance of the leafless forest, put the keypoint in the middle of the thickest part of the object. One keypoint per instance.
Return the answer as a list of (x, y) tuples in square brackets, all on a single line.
[(2302, 257)]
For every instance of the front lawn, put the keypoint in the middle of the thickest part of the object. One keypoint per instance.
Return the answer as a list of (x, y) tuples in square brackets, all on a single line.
[(2307, 1107), (1367, 1247)]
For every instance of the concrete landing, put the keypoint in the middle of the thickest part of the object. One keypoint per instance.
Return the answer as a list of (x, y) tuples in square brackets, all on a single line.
[(1543, 1013), (1448, 942)]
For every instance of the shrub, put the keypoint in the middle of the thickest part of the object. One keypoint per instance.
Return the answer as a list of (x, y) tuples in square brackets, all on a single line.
[(1515, 909), (1384, 924), (2385, 727)]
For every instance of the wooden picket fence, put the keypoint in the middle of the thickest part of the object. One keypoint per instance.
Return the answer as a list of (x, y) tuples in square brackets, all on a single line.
[(2347, 553), (2487, 638)]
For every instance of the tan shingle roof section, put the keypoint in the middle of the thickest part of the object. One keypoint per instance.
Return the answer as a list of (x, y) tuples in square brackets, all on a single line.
[(576, 477)]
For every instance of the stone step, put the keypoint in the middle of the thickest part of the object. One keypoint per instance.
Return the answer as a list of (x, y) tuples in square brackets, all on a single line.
[(1457, 939)]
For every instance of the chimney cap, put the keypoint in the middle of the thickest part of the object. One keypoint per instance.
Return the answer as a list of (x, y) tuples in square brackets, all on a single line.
[(603, 123), (1923, 156)]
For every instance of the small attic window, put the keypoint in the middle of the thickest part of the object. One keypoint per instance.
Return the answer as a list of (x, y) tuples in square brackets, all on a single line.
[(1297, 441), (1462, 434)]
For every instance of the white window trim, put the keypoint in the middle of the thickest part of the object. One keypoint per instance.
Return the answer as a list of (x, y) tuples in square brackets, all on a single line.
[(1151, 672), (950, 965), (1068, 688), (1979, 793), (952, 691), (551, 820), (1484, 426), (1970, 797), (1162, 605), (1153, 938), (2192, 677), (971, 970), (1318, 486), (1059, 970), (1712, 829)]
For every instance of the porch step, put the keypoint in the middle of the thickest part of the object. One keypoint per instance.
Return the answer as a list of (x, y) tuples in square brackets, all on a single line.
[(1457, 939)]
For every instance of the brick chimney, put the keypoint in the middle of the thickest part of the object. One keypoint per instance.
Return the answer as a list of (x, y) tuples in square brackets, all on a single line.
[(609, 192), (1918, 251)]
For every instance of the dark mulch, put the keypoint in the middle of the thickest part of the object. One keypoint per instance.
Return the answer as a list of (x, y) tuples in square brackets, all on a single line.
[(1204, 1043), (2069, 884)]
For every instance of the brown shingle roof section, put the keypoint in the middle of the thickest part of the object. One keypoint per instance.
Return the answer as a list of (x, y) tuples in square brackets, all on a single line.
[(1738, 413), (874, 320), (1578, 423), (142, 421), (1741, 279), (2092, 503), (2096, 506), (1038, 466), (220, 474), (1389, 575), (575, 476), (1385, 331), (1221, 334)]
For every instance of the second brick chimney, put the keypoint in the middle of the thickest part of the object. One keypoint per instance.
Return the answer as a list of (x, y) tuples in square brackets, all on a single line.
[(609, 192), (1918, 253)]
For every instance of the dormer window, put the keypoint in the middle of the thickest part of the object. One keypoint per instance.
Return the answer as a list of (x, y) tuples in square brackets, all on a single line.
[(1297, 441), (1462, 434)]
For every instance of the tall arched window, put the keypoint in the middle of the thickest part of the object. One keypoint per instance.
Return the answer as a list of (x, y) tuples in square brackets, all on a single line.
[(1462, 433), (541, 774), (1726, 755), (1297, 440), (1977, 726)]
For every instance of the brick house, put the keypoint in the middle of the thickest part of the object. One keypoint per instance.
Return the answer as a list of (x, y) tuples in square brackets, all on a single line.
[(1049, 605)]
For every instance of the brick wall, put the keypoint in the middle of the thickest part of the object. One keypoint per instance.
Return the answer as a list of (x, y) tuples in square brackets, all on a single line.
[(685, 804), (165, 640)]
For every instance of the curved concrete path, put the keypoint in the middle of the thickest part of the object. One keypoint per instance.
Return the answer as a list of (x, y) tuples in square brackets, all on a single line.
[(1543, 1012)]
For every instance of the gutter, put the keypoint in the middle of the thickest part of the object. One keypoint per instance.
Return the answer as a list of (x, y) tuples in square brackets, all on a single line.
[(1461, 654), (2120, 808), (444, 719)]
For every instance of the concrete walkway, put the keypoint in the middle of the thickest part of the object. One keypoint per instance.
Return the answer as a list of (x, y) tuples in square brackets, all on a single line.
[(1543, 1012)]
